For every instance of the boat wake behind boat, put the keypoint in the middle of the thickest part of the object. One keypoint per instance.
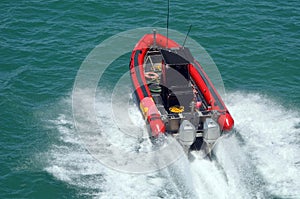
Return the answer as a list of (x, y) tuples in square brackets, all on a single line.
[(175, 95)]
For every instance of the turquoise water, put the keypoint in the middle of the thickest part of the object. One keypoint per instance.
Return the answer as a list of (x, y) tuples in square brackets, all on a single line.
[(256, 46)]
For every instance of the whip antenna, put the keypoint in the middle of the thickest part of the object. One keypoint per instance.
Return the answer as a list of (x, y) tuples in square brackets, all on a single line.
[(168, 22), (187, 35)]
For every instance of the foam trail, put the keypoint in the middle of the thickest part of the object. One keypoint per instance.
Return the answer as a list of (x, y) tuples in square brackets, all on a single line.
[(241, 174), (208, 179), (258, 161), (70, 162), (270, 135)]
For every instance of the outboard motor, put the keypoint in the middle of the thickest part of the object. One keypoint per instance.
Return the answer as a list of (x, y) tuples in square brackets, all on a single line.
[(187, 133), (211, 132)]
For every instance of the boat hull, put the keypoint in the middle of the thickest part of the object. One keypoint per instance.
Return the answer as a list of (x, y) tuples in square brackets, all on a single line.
[(154, 90)]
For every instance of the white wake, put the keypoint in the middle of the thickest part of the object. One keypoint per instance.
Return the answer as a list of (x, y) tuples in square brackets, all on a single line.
[(261, 159)]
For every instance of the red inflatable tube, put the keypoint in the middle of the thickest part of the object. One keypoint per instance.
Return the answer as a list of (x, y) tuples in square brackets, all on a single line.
[(225, 120), (150, 112)]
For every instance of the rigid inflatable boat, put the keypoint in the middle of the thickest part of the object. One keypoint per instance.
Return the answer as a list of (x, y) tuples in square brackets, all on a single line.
[(175, 95)]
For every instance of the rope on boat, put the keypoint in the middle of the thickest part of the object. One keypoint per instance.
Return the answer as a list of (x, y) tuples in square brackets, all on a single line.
[(176, 109)]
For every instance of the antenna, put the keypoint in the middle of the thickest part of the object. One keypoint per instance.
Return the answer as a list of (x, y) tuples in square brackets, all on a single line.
[(168, 22), (154, 38), (187, 35)]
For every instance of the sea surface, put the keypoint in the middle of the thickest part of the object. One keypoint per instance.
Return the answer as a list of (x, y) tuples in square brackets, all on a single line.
[(254, 44)]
